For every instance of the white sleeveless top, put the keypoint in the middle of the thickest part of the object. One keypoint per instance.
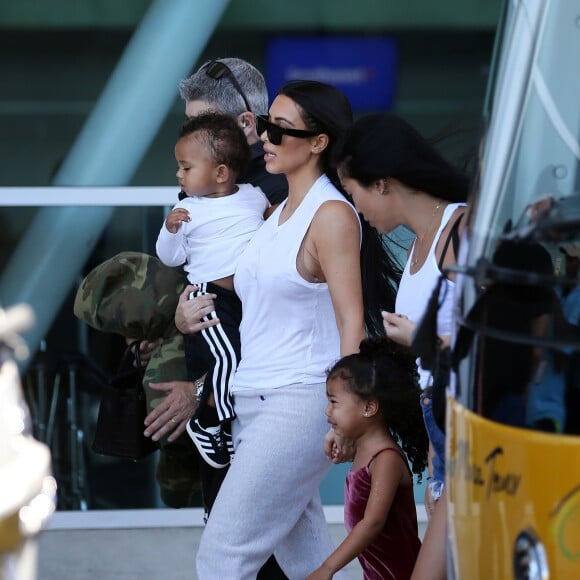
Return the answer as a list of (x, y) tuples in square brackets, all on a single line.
[(415, 290), (288, 332)]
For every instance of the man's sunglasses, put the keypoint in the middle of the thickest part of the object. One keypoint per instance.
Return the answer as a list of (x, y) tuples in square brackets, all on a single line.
[(217, 70), (275, 132)]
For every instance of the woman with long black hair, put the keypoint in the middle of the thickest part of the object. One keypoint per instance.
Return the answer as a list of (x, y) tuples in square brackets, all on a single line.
[(397, 177)]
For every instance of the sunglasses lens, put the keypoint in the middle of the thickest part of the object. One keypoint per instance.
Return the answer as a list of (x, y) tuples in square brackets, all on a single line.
[(273, 131), (274, 134), (216, 70), (260, 124)]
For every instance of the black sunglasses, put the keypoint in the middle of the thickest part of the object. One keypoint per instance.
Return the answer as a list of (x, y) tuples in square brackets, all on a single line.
[(217, 70), (275, 132)]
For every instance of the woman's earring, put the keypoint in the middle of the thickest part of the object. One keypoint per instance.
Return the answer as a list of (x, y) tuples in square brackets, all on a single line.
[(385, 187)]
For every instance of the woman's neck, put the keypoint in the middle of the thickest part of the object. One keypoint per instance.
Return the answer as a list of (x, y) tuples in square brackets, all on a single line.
[(423, 213), (299, 184)]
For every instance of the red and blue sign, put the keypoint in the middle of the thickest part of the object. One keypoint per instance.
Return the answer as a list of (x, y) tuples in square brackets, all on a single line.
[(365, 69)]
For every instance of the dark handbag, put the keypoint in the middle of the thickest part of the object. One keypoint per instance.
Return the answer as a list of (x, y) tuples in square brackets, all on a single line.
[(120, 423)]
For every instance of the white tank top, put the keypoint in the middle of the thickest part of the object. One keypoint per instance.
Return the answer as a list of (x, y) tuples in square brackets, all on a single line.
[(415, 290), (288, 332)]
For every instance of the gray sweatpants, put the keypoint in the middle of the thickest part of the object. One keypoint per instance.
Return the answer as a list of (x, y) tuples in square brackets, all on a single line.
[(269, 501)]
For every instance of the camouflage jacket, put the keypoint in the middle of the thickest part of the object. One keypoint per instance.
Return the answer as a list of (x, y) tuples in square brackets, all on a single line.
[(135, 295)]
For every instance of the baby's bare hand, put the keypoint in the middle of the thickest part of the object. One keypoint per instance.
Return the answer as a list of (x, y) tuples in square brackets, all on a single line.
[(175, 218)]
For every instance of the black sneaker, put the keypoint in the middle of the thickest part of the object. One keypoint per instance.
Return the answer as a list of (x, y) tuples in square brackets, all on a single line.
[(211, 443)]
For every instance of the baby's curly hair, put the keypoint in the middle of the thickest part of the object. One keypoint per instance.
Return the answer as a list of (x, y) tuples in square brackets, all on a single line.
[(224, 138), (386, 371)]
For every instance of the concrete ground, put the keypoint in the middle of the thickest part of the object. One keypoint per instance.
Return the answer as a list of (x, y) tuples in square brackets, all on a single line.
[(157, 544)]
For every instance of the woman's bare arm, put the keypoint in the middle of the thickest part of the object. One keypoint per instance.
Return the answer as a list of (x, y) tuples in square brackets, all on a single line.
[(335, 232)]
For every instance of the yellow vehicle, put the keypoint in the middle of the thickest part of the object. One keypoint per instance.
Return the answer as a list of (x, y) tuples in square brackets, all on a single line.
[(513, 413)]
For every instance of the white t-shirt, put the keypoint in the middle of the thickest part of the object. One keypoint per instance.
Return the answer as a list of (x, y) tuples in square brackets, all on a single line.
[(220, 229)]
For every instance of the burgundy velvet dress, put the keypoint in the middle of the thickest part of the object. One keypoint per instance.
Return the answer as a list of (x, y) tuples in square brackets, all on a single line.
[(393, 553)]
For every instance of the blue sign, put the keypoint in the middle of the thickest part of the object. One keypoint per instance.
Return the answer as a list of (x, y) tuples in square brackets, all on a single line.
[(363, 68)]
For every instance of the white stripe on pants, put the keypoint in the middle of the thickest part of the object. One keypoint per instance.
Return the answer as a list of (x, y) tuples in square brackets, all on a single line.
[(222, 350), (269, 501)]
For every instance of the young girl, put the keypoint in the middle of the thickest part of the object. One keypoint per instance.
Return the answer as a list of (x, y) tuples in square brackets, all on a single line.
[(373, 398)]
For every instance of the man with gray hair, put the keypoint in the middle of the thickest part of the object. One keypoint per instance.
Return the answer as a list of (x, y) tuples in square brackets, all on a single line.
[(232, 86), (235, 87)]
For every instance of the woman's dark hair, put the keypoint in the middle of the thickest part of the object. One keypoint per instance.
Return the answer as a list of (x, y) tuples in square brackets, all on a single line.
[(383, 145), (326, 109), (386, 371), (380, 273)]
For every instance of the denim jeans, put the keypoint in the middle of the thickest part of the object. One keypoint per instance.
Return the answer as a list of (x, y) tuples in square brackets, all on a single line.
[(436, 438)]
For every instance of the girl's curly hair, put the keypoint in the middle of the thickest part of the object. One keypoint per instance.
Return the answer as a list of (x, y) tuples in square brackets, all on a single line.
[(386, 371)]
